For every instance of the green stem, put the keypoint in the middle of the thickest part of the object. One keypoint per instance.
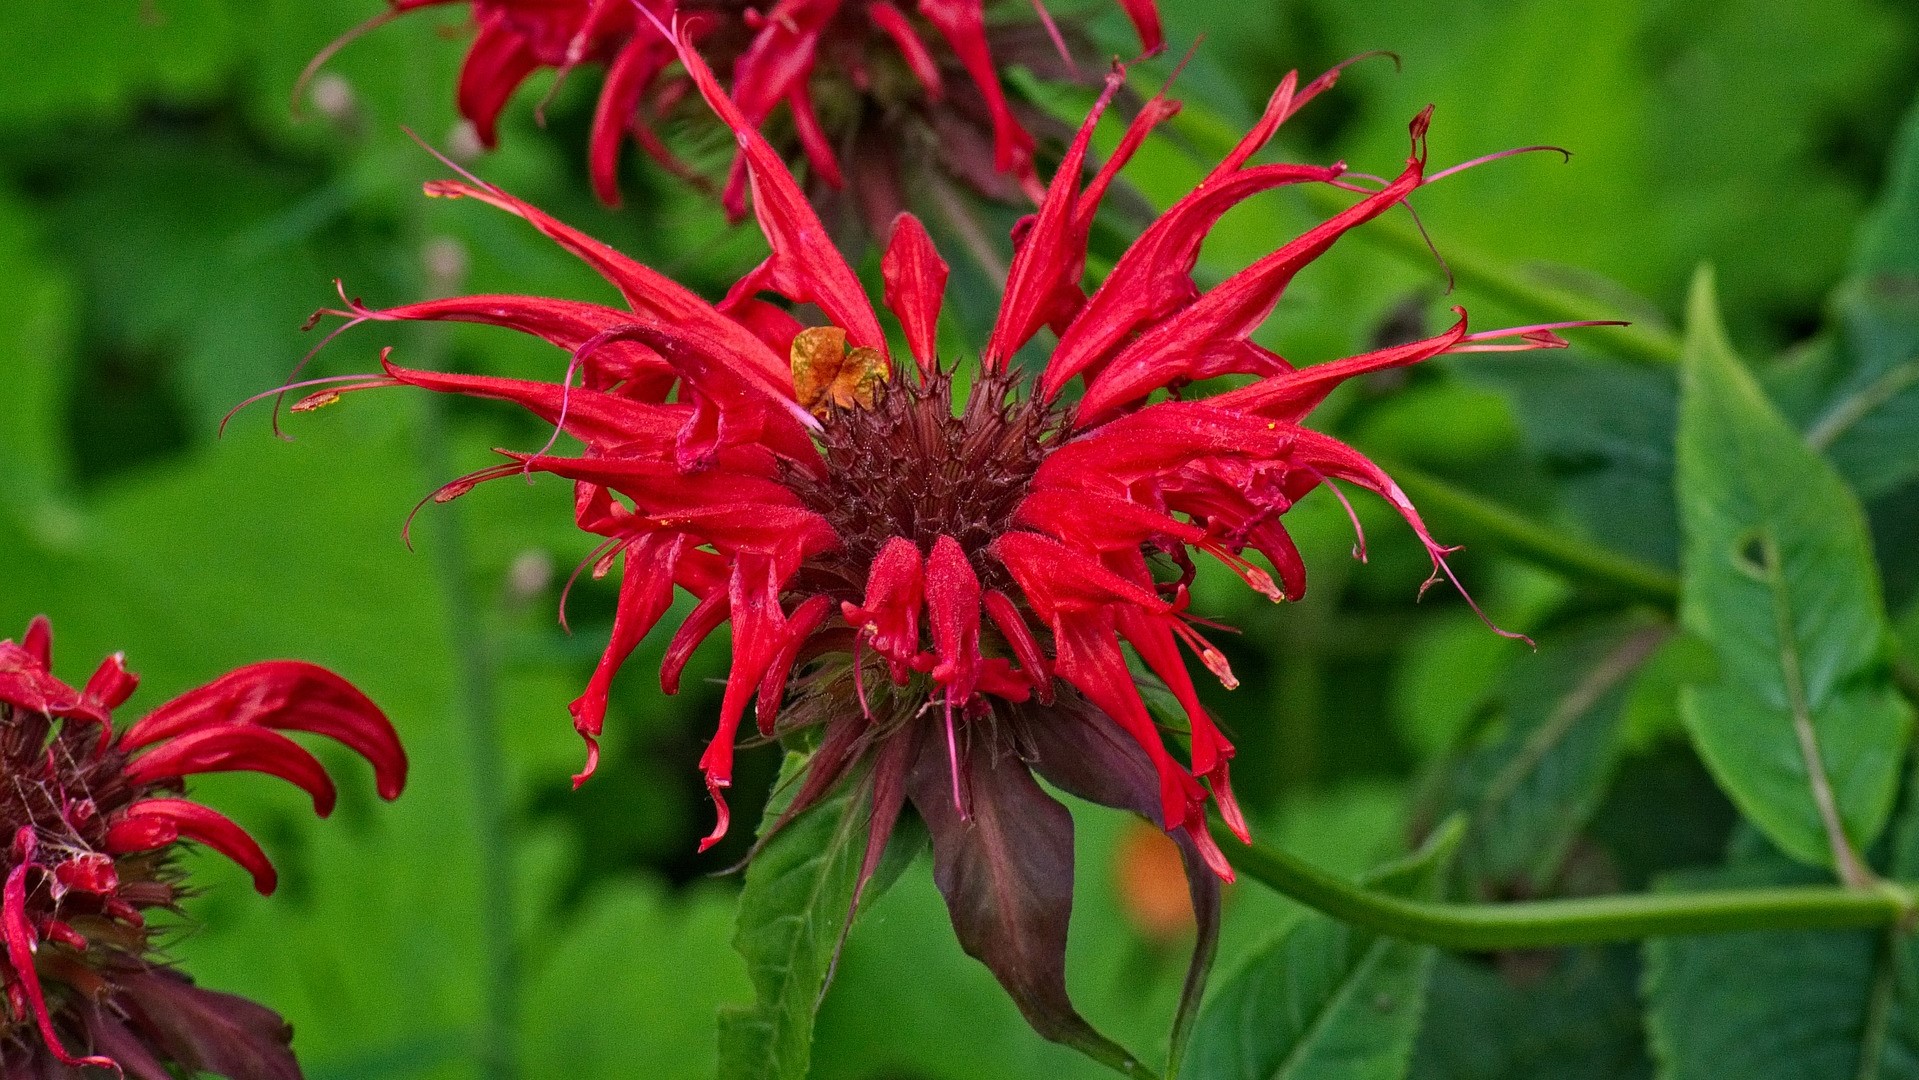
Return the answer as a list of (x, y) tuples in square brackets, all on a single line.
[(1541, 545), (1397, 235), (1585, 921)]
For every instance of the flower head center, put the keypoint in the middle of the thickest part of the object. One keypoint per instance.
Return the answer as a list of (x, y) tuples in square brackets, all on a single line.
[(910, 465)]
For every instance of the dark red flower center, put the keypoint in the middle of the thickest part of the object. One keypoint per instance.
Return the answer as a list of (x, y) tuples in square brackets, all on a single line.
[(914, 467)]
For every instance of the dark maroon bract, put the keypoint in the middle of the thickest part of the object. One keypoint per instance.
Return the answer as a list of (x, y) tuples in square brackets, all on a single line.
[(934, 587), (92, 817)]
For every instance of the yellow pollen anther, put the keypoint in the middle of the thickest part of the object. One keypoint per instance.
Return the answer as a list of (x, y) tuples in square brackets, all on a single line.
[(826, 374)]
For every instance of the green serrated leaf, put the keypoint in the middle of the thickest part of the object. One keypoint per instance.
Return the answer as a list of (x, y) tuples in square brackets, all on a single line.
[(1803, 1006), (1801, 726), (798, 897), (1326, 1000), (1529, 792)]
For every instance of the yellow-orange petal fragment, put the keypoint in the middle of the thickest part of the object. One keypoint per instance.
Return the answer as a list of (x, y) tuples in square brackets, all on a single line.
[(826, 374)]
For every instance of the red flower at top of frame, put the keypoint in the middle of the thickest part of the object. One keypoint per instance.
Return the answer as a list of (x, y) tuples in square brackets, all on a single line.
[(943, 593), (871, 91), (92, 817)]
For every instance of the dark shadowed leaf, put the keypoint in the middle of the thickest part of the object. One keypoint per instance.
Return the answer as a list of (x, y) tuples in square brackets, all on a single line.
[(1006, 871), (798, 896), (1858, 395), (1605, 432), (1775, 1006), (1801, 725), (1528, 792), (1327, 1001), (1567, 1015), (1082, 751)]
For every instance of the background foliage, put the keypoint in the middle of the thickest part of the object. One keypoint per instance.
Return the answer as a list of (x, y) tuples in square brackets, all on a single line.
[(166, 225)]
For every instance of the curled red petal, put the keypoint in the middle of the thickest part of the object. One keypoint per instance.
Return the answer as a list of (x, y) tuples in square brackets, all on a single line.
[(286, 695), (915, 278), (799, 626), (1012, 626), (890, 616), (953, 618), (38, 640), (962, 23), (21, 941), (111, 683), (236, 748), (154, 823), (646, 592), (633, 70), (498, 62), (804, 265), (894, 24)]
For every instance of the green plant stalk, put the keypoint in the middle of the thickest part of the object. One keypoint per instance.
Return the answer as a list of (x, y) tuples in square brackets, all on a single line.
[(1583, 921), (1397, 235), (1541, 545)]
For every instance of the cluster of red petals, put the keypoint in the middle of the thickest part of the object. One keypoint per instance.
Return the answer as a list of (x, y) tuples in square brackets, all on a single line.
[(696, 450), (91, 813), (772, 57)]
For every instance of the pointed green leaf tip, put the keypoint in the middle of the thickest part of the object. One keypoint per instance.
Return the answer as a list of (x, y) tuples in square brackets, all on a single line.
[(1326, 1000), (798, 896), (1800, 723)]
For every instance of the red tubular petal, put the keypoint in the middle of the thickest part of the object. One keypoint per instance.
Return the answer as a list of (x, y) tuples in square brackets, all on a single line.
[(38, 640), (813, 138), (1145, 17), (759, 634), (1012, 626), (26, 683), (894, 24), (963, 24), (153, 823), (1044, 264), (287, 695), (705, 617), (1237, 306), (111, 683), (639, 62), (1292, 395), (646, 591), (647, 291), (1090, 659), (953, 617), (1154, 276), (236, 748), (17, 928), (915, 277), (781, 56), (602, 421), (799, 626), (1057, 579), (890, 617), (804, 265), (498, 62)]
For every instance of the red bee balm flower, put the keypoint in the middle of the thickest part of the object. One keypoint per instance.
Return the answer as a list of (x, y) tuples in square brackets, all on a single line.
[(865, 83), (943, 593), (92, 818)]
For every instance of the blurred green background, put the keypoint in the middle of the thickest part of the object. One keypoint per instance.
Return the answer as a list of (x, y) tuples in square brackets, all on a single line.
[(166, 226)]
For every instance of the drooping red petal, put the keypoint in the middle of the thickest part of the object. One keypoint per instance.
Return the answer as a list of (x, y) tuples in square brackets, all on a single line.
[(646, 592), (287, 695), (953, 617), (1012, 626), (894, 24), (1043, 266), (814, 141), (804, 265), (236, 748), (498, 62), (799, 627), (890, 616), (1290, 396), (155, 823), (1178, 347), (17, 928), (638, 64), (1145, 17), (962, 23), (915, 278), (25, 683), (647, 291), (759, 634)]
